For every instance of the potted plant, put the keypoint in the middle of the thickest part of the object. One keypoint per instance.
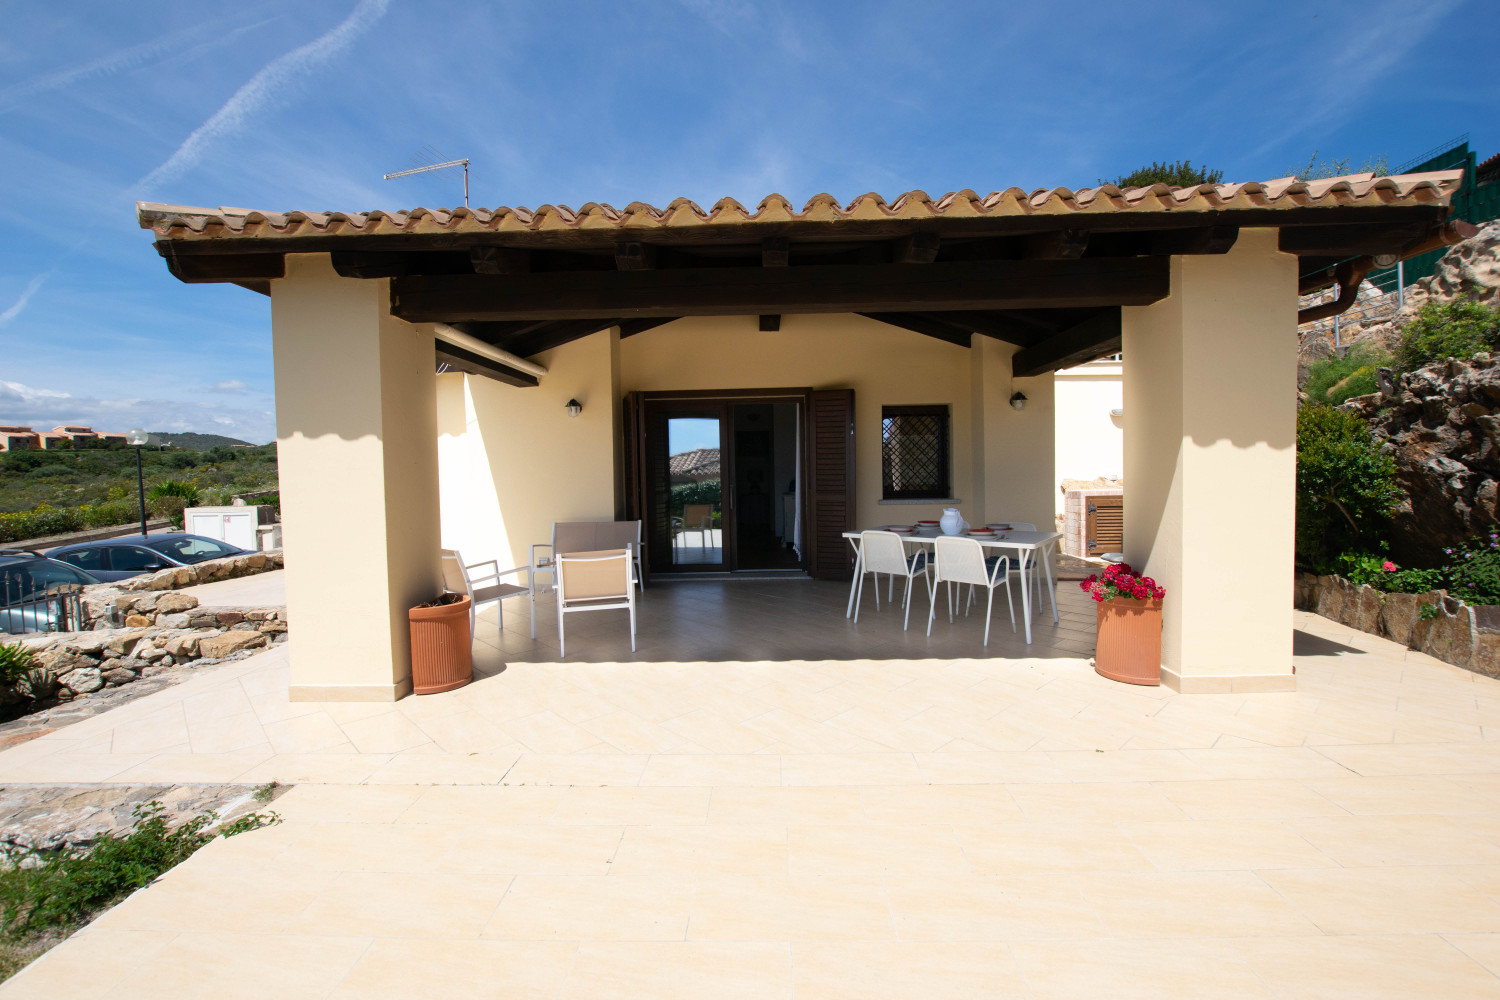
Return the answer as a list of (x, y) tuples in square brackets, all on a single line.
[(1129, 618), (442, 655)]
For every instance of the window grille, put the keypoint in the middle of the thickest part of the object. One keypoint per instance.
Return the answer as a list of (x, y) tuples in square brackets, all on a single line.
[(914, 453)]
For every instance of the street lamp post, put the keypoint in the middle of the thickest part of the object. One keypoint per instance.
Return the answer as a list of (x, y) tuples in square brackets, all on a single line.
[(137, 438)]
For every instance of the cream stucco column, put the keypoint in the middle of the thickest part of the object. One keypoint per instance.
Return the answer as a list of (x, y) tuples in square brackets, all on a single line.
[(1013, 450), (356, 435), (1210, 392)]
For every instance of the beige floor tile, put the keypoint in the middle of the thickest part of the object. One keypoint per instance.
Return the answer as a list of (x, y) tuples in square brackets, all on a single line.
[(875, 849), (973, 768), (65, 768), (402, 968), (1190, 904), (302, 734), (245, 967), (943, 805), (225, 734), (1403, 796), (211, 898), (353, 847), (576, 769), (1403, 840), (534, 850), (1247, 798), (850, 769), (1023, 848), (703, 770), (1396, 967), (989, 908), (88, 965), (789, 908), (391, 904), (548, 732), (491, 806), (1224, 845), (1094, 802), (719, 848), (901, 970), (1295, 762), (428, 765), (786, 806), (680, 970), (1136, 970), (1411, 900), (345, 803), (152, 733), (628, 805), (208, 768), (330, 768), (390, 732), (594, 907), (1482, 948)]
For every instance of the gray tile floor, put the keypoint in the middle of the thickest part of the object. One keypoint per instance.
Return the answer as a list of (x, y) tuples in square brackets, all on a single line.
[(786, 619)]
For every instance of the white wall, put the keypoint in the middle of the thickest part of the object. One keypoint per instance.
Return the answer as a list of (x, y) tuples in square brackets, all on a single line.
[(1090, 442)]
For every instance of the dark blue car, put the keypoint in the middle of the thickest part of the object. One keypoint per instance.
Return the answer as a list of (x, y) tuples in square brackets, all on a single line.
[(118, 558)]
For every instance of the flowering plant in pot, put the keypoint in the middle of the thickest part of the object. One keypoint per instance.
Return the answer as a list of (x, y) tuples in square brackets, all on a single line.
[(1129, 620)]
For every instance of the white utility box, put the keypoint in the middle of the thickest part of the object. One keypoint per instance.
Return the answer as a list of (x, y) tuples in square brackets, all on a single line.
[(237, 526)]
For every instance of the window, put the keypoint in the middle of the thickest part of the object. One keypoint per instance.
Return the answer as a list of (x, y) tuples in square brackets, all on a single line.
[(194, 550), (125, 558), (914, 453), (89, 559)]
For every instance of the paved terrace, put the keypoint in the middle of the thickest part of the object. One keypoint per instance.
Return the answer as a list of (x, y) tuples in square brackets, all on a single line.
[(771, 802)]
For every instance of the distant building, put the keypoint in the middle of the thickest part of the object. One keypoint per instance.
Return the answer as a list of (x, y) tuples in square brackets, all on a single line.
[(16, 438)]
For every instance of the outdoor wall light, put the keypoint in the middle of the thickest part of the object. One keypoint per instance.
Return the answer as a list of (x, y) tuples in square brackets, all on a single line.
[(574, 407), (1018, 402)]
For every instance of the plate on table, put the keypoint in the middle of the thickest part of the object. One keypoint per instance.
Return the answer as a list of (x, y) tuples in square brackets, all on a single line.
[(981, 532), (998, 527), (900, 529)]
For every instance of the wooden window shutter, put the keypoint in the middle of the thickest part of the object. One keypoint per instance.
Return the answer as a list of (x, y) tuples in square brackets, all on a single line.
[(634, 458), (1104, 529), (831, 482)]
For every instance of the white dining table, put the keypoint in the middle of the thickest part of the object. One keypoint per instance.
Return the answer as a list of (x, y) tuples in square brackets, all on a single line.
[(1038, 543)]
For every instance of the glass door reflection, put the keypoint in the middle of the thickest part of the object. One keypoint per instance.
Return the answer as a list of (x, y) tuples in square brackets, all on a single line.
[(695, 481)]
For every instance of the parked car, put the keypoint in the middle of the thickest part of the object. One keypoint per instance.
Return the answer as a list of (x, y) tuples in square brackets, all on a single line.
[(27, 580), (117, 558)]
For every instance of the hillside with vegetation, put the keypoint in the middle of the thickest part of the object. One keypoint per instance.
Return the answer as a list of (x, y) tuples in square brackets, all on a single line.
[(94, 485)]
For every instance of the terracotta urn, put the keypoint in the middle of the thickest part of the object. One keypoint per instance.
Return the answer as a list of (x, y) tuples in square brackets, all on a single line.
[(442, 656), (1129, 641)]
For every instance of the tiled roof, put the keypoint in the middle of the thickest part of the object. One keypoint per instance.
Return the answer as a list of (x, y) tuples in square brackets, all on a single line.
[(699, 463), (186, 223)]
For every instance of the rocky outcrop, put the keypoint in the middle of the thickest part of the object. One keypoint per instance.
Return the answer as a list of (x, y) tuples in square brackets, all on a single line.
[(1441, 423), (178, 577)]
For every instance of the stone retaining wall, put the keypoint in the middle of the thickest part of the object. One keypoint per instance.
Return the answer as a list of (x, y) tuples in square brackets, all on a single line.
[(1464, 635), (206, 572)]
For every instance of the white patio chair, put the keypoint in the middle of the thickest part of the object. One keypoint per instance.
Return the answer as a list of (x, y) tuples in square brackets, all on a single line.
[(1031, 571), (884, 552), (484, 588), (961, 560), (582, 536), (594, 581), (695, 517)]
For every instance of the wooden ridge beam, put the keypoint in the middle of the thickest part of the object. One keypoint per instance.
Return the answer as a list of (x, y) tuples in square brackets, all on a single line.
[(730, 291), (631, 327), (1018, 330), (1093, 338), (551, 335), (458, 359), (925, 324)]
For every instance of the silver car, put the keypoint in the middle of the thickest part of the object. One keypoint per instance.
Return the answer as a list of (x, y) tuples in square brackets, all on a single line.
[(38, 594)]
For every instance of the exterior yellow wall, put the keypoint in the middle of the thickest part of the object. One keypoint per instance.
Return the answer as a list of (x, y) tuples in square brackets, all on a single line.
[(512, 461), (1210, 463), (1090, 442), (356, 434), (1014, 453)]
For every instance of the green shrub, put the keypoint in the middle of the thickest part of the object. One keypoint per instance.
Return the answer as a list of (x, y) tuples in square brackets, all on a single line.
[(1317, 169), (1179, 174), (186, 490), (1379, 572), (169, 507), (1455, 329), (1333, 380), (1345, 486), (49, 471), (1473, 571), (707, 491), (181, 460), (16, 663)]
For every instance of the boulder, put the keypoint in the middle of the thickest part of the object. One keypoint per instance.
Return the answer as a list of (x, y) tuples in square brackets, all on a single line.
[(83, 680), (118, 676), (216, 646), (149, 653), (174, 602), (137, 621), (173, 621), (121, 645), (228, 619)]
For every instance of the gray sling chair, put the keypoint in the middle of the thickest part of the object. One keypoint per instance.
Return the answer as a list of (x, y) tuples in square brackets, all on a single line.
[(482, 588), (582, 536)]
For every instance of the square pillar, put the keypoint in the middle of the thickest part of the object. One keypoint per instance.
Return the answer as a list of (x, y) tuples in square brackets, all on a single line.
[(356, 442), (1013, 450), (1210, 394)]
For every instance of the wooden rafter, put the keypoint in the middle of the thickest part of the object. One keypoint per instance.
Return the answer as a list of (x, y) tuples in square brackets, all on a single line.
[(1093, 338)]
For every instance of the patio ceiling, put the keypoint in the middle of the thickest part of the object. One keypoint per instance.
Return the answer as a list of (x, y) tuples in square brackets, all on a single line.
[(1047, 271)]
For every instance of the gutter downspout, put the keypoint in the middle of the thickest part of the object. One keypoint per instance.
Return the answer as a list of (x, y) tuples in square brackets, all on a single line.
[(460, 339), (1350, 273)]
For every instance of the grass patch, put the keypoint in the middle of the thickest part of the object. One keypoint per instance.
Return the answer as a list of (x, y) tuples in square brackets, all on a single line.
[(44, 898), (1333, 380)]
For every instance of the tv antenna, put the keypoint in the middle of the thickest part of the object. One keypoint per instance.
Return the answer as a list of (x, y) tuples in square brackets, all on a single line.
[(425, 158)]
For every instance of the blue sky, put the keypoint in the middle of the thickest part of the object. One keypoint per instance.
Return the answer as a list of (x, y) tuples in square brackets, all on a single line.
[(284, 105)]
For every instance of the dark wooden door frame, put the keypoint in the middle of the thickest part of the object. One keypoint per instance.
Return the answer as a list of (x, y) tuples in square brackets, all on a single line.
[(727, 398)]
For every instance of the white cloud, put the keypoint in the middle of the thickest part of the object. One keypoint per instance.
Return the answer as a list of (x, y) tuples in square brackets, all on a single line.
[(20, 304), (263, 89), (46, 408), (232, 385)]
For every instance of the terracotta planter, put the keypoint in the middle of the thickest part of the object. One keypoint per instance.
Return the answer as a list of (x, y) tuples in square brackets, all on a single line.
[(441, 655), (1129, 647)]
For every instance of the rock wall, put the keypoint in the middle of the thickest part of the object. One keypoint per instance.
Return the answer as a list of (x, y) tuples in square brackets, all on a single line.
[(207, 572), (1464, 635), (1441, 423)]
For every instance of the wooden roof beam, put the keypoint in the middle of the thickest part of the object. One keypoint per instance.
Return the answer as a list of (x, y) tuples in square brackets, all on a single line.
[(923, 324), (458, 359), (917, 248), (1093, 338)]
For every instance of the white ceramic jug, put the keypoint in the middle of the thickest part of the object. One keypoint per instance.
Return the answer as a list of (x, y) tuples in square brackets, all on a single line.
[(952, 522)]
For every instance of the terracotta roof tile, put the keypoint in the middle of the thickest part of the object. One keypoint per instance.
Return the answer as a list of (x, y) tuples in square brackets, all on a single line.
[(183, 222)]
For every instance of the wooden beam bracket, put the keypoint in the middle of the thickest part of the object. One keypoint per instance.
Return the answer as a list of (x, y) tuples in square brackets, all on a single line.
[(1095, 337), (770, 323)]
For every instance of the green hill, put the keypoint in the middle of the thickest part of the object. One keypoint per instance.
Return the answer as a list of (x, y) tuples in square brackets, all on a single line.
[(196, 442)]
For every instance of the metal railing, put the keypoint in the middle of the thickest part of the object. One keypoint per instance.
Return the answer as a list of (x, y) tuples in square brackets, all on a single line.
[(58, 608)]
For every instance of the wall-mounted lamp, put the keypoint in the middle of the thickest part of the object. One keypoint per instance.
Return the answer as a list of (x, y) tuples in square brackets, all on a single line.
[(1018, 402), (1117, 412), (574, 407)]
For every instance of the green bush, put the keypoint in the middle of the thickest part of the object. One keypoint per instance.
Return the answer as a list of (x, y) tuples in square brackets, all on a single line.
[(1455, 329), (186, 490), (1333, 380), (16, 662), (1473, 571), (49, 471), (1317, 169), (220, 453), (181, 460), (1345, 486), (683, 494), (1179, 174)]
